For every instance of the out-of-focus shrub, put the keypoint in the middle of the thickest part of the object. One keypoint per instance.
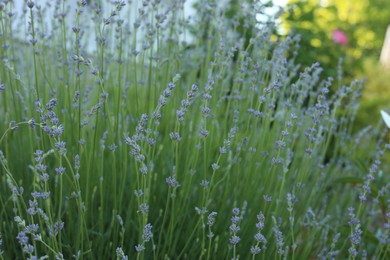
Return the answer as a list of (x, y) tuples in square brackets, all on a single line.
[(376, 94), (362, 23)]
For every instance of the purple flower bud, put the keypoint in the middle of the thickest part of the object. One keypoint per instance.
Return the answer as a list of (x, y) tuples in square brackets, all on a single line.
[(30, 4), (234, 240), (139, 248)]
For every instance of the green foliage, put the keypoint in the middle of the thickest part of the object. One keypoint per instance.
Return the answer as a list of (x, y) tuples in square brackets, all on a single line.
[(376, 92), (177, 138), (363, 21)]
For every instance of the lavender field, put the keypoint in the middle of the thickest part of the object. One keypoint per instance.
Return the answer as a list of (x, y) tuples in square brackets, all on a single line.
[(135, 130)]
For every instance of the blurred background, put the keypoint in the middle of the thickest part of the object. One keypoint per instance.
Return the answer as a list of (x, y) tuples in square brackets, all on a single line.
[(350, 31)]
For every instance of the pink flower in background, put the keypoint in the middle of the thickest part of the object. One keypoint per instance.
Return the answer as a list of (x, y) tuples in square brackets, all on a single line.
[(339, 37)]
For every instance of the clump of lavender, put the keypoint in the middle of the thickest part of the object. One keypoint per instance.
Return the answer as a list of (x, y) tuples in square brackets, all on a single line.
[(120, 255), (279, 238), (185, 103), (173, 184), (146, 237), (210, 235), (234, 229), (384, 238), (241, 119), (366, 189), (49, 120), (133, 143), (23, 238), (291, 200), (333, 252), (356, 233), (210, 222), (259, 237)]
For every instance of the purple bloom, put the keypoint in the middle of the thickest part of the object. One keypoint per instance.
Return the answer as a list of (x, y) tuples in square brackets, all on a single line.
[(194, 88), (19, 221), (255, 250), (260, 216), (147, 233), (57, 227), (28, 249), (235, 219), (82, 3), (120, 254), (234, 228), (139, 248), (175, 136), (260, 238), (171, 181), (40, 195), (30, 4), (22, 238), (33, 228), (267, 198), (234, 240), (13, 125), (144, 208), (215, 166), (203, 132), (166, 93), (211, 218), (61, 147), (138, 193), (144, 169), (207, 96), (112, 147), (204, 183), (51, 104)]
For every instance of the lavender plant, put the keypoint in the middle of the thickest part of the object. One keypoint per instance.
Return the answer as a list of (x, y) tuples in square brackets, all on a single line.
[(131, 130)]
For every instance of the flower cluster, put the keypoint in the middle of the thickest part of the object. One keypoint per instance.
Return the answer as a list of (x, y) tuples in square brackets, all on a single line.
[(356, 233), (210, 222), (48, 119), (235, 227), (259, 237), (185, 103), (279, 238), (146, 237)]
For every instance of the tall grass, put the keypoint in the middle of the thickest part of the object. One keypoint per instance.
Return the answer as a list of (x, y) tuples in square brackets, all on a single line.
[(179, 138)]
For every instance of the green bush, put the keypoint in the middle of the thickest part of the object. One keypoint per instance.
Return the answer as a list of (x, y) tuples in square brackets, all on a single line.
[(179, 138), (362, 22)]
